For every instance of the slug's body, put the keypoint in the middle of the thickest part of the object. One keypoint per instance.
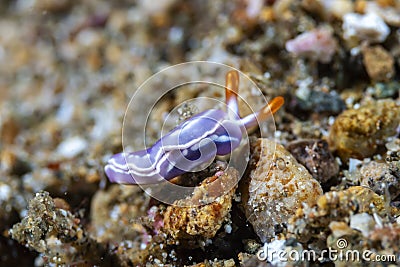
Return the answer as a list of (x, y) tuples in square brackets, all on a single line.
[(193, 143)]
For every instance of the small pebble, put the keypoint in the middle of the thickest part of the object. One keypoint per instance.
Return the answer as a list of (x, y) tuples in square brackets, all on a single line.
[(338, 8), (12, 164), (389, 14), (393, 145), (155, 9), (53, 5), (369, 27), (9, 130), (363, 222), (316, 157), (339, 228), (354, 164), (182, 221), (72, 147), (385, 90), (356, 133), (378, 62), (251, 245), (318, 44), (5, 192)]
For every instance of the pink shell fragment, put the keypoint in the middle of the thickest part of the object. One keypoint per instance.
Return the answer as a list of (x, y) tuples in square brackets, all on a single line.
[(318, 44)]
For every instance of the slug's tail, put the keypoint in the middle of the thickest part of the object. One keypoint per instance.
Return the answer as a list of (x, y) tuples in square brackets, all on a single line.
[(132, 168), (119, 176), (117, 170)]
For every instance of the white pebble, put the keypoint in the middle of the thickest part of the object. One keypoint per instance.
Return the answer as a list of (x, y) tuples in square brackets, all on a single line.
[(369, 27), (331, 120), (175, 35), (362, 222), (228, 228), (393, 145), (5, 192), (72, 147), (254, 7), (89, 38), (389, 14), (337, 8), (65, 112), (154, 8), (353, 163)]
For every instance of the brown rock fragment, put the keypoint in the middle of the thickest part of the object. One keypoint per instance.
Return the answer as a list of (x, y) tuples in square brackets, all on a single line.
[(9, 130), (52, 5), (201, 221), (357, 133), (57, 233), (276, 188), (316, 157), (378, 62)]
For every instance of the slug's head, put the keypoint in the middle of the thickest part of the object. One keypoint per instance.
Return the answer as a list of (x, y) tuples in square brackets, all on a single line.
[(231, 93)]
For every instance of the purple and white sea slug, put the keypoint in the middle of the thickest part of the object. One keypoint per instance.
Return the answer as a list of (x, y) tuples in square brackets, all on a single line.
[(191, 144)]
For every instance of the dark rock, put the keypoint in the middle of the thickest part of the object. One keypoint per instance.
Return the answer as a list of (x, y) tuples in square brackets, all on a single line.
[(316, 157)]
